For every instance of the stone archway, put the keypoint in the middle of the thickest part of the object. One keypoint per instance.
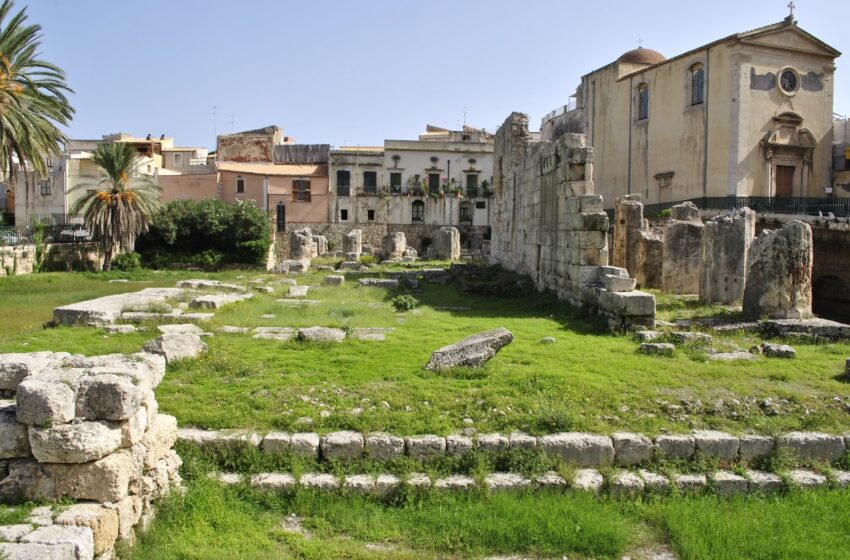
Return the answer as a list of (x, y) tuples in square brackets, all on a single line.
[(831, 298)]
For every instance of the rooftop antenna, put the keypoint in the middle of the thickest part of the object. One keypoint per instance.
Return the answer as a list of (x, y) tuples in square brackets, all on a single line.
[(464, 114)]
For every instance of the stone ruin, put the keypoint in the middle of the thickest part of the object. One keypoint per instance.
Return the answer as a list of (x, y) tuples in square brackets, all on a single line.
[(394, 245), (304, 246), (637, 247), (352, 245), (446, 245), (550, 226), (682, 250), (723, 263), (83, 429), (779, 274)]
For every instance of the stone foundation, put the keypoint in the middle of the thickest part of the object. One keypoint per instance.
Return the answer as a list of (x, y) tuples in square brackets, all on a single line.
[(61, 257)]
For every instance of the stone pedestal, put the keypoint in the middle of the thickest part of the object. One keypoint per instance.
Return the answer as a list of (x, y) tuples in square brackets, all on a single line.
[(682, 250), (723, 268)]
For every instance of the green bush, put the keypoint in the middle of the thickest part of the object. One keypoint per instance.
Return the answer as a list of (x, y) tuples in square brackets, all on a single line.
[(127, 261), (368, 259), (404, 303), (207, 233)]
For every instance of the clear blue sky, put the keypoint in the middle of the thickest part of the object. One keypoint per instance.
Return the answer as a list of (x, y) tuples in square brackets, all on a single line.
[(357, 72)]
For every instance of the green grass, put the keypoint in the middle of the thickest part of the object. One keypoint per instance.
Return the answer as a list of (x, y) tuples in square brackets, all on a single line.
[(211, 521), (589, 379)]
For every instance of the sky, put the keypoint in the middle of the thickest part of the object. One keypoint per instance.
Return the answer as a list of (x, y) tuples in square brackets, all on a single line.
[(359, 72)]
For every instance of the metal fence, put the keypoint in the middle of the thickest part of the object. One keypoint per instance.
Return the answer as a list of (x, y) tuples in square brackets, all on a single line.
[(57, 233), (803, 206)]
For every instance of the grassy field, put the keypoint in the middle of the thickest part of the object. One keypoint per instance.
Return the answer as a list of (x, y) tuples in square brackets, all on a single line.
[(589, 379), (211, 521)]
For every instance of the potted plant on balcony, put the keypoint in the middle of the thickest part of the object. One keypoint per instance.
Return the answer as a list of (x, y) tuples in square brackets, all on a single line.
[(485, 188)]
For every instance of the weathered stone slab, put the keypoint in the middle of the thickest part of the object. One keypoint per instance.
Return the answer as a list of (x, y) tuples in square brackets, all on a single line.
[(500, 481), (343, 445), (587, 480), (102, 521), (471, 351), (383, 447), (806, 479), (176, 346), (319, 481), (334, 280), (388, 283), (455, 482), (108, 397), (654, 482), (42, 403), (80, 538), (675, 446), (458, 445), (424, 447), (632, 449), (276, 443), (813, 445), (14, 368), (727, 483), (718, 445), (320, 334), (78, 442), (203, 284), (737, 356), (185, 328), (689, 483), (754, 447), (105, 310), (764, 482), (493, 442), (14, 439), (777, 350), (583, 450), (657, 348), (625, 484), (305, 444), (273, 481)]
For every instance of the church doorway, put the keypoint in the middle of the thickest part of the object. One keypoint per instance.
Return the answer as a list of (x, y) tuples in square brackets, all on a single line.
[(785, 181)]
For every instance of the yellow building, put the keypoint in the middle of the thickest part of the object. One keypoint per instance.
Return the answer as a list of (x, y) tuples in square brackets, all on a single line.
[(746, 115)]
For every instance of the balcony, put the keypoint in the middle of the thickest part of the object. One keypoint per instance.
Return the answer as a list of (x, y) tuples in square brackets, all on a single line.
[(343, 191)]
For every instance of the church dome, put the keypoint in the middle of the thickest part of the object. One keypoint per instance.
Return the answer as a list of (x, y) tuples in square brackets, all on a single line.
[(641, 55)]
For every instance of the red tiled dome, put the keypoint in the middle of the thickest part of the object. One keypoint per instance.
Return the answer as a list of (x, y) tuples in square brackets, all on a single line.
[(641, 55)]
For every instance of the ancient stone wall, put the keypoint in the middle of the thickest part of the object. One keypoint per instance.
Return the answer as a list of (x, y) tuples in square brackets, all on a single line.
[(723, 263), (636, 246), (779, 274), (549, 225), (20, 259), (84, 429), (682, 250)]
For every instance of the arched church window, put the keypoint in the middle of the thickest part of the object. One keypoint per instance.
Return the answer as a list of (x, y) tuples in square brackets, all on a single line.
[(643, 102), (697, 84)]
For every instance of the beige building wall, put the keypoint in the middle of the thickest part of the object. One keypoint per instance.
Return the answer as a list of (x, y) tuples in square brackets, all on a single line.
[(189, 187), (728, 145)]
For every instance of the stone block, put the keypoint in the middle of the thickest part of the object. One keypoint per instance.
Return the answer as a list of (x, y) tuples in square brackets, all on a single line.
[(334, 280), (31, 551), (551, 479), (14, 439), (805, 479), (320, 334), (764, 482), (78, 442), (675, 446), (625, 484), (522, 441), (718, 445), (102, 521), (455, 482), (458, 445), (273, 481), (425, 447), (754, 447), (159, 439), (359, 483), (317, 481), (342, 446), (584, 203), (387, 483), (42, 403), (383, 447), (657, 348), (418, 480), (617, 284), (777, 350), (813, 445), (632, 449), (471, 351), (587, 480), (583, 450), (505, 481), (14, 368), (729, 484), (104, 480), (305, 445), (493, 442), (654, 482), (108, 397), (690, 483), (276, 443), (129, 512), (81, 538), (628, 304), (176, 346)]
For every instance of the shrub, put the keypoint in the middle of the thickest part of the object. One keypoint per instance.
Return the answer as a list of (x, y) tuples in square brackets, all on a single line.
[(127, 261), (368, 259), (404, 303), (183, 230)]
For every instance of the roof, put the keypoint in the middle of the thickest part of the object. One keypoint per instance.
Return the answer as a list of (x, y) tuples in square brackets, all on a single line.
[(273, 169), (641, 55), (266, 130), (301, 154), (359, 149), (787, 23), (182, 149)]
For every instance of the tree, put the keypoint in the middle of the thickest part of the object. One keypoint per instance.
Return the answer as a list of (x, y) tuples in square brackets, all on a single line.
[(125, 203), (33, 98)]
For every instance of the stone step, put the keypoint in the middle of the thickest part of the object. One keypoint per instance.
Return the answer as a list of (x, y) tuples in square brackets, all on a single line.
[(621, 484)]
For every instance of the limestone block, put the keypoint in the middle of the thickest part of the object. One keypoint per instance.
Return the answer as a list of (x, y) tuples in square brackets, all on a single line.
[(319, 481), (305, 445), (628, 304), (301, 244), (102, 521), (654, 482), (334, 280), (779, 274), (446, 244), (632, 449), (718, 445), (14, 368), (41, 403), (320, 334), (424, 447), (14, 439), (522, 441), (682, 257), (675, 446), (625, 484), (455, 482), (471, 351), (389, 283), (777, 350), (159, 439), (273, 481), (690, 483), (587, 480), (696, 338), (129, 512), (753, 447), (344, 445), (458, 445), (14, 533), (155, 366), (80, 538), (729, 484), (505, 481), (583, 450), (813, 445), (657, 348), (31, 551), (133, 430), (383, 447), (725, 245), (685, 212), (276, 443), (359, 483), (418, 480), (551, 479), (648, 336), (104, 480), (176, 346), (805, 479), (584, 203), (108, 397), (27, 480), (387, 483), (493, 442), (186, 328), (394, 245), (352, 243), (78, 442), (764, 482)]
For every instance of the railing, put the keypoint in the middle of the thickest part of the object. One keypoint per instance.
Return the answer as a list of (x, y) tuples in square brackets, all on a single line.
[(58, 233), (343, 191), (802, 206), (559, 111)]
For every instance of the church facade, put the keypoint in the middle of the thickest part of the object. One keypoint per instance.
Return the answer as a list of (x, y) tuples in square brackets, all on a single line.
[(747, 115)]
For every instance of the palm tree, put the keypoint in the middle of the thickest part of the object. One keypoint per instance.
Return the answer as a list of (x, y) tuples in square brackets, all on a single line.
[(124, 204), (33, 98)]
